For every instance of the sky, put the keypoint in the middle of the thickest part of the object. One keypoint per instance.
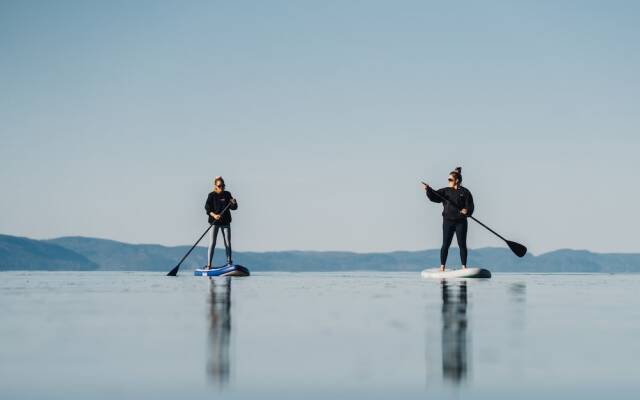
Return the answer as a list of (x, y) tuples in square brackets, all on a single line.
[(323, 117)]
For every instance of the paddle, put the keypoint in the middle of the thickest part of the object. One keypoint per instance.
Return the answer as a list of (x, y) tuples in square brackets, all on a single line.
[(175, 269), (518, 249)]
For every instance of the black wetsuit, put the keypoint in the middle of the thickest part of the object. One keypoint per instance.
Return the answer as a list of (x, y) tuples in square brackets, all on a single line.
[(453, 220), (216, 202)]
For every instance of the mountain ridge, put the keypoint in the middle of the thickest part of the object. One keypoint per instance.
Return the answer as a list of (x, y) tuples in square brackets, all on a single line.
[(88, 253)]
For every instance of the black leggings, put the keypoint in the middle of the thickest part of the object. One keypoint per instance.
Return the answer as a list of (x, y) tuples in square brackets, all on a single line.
[(226, 236), (448, 229)]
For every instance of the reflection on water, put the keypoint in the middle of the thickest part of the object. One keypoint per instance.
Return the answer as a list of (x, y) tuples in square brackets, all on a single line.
[(218, 365), (317, 336), (518, 292), (454, 332)]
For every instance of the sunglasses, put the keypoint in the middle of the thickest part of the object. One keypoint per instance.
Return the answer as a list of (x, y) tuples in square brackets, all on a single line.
[(218, 186), (450, 179)]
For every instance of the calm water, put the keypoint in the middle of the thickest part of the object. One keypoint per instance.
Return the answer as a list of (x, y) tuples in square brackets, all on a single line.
[(358, 335)]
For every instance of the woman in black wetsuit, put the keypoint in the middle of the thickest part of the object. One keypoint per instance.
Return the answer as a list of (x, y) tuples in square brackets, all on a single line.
[(217, 201), (458, 205)]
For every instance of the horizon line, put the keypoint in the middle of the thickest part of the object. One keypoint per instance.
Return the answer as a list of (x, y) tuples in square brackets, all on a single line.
[(318, 251)]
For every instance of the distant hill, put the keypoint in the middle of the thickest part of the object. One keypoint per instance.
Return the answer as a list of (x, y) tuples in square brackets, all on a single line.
[(19, 253), (112, 255), (82, 253)]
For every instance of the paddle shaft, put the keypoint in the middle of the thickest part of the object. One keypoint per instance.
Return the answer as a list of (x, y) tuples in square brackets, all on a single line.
[(175, 269), (489, 229), (473, 218), (194, 246)]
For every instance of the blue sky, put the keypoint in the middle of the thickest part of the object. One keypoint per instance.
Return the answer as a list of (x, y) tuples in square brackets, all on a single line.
[(323, 117)]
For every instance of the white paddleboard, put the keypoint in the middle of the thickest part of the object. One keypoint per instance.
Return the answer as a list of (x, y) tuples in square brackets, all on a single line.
[(456, 273)]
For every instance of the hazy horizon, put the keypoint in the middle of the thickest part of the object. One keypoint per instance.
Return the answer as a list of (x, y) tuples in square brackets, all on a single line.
[(328, 116), (204, 244)]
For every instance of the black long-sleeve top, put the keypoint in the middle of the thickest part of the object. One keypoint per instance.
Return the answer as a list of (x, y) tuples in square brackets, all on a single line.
[(216, 202), (456, 200)]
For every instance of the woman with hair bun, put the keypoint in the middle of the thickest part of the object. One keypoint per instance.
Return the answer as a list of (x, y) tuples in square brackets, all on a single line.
[(458, 205), (220, 216)]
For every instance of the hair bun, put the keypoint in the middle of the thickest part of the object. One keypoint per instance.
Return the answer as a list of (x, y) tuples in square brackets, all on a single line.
[(458, 170)]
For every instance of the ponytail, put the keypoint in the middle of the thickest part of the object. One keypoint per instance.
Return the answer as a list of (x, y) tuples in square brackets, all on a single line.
[(457, 174)]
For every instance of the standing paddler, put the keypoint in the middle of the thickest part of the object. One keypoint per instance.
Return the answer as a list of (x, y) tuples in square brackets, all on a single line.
[(218, 206), (458, 205)]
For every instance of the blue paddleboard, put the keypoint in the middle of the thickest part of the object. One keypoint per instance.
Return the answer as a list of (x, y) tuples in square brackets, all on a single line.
[(225, 270)]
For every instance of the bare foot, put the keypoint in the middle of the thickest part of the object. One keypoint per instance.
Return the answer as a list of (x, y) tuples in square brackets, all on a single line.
[(464, 267), (442, 268)]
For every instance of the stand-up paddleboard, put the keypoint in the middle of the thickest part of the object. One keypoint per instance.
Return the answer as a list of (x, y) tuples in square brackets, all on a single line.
[(456, 273), (225, 270)]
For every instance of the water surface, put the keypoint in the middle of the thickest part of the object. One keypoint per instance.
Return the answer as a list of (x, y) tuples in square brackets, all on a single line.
[(319, 335)]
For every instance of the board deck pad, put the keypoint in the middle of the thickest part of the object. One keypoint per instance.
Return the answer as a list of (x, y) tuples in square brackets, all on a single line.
[(471, 272), (225, 270)]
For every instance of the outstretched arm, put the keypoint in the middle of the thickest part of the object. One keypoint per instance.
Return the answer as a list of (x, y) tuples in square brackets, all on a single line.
[(434, 195)]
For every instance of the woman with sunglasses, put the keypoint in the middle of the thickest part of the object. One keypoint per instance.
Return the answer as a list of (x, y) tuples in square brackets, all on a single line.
[(220, 216), (458, 205)]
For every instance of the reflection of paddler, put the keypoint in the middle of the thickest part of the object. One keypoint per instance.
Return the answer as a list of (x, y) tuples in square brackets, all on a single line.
[(219, 330), (454, 332)]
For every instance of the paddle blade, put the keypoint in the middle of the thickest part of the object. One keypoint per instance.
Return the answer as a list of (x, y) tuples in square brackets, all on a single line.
[(517, 248), (174, 271)]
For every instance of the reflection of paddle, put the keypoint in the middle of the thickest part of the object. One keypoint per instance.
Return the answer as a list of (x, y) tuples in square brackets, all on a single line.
[(517, 248), (175, 269)]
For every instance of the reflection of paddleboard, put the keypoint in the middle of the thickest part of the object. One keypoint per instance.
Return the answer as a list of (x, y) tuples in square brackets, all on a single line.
[(456, 273), (225, 270)]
